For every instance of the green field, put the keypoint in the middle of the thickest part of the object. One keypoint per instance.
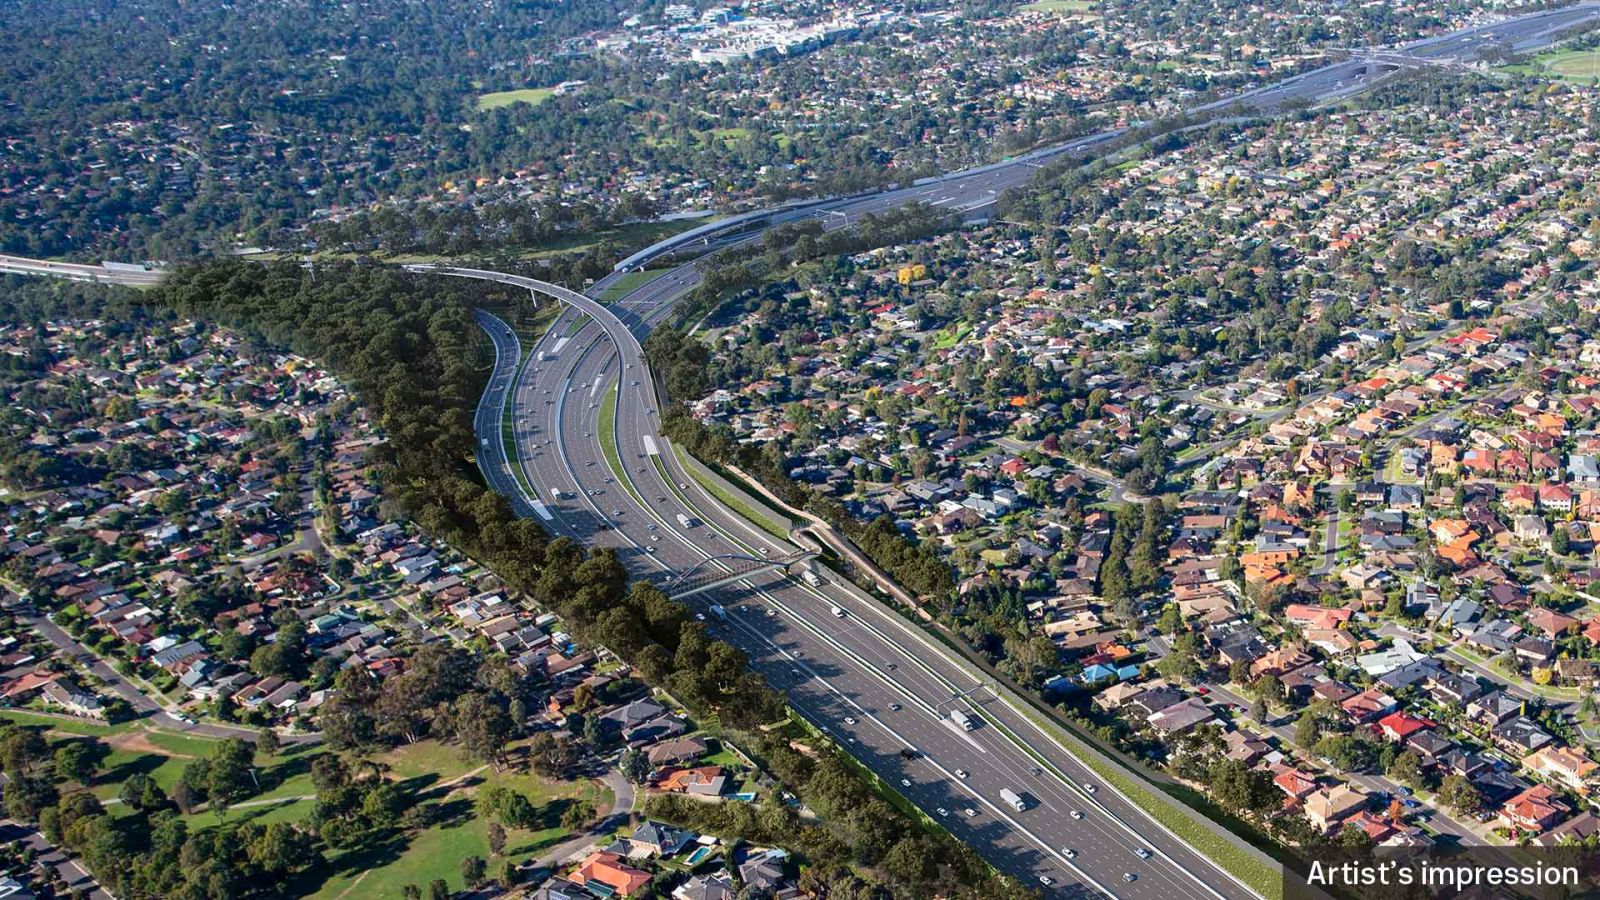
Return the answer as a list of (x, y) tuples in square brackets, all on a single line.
[(1577, 66), (441, 776), (530, 96), (1064, 7)]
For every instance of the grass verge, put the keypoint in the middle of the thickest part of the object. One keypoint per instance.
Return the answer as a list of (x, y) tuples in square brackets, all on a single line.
[(628, 283), (728, 499)]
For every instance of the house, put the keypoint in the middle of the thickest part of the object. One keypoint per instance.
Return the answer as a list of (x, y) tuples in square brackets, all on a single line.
[(1397, 727), (1577, 829), (1181, 717), (764, 871), (677, 750), (1494, 708), (1533, 811), (75, 701), (719, 886), (1567, 766), (608, 869), (657, 839), (704, 781), (1330, 806), (1519, 736)]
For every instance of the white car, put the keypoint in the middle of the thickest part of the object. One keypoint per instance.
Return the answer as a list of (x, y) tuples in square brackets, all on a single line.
[(1077, 814), (961, 774), (1090, 788), (1142, 853), (905, 782), (969, 812), (1046, 880), (1069, 853), (942, 812), (849, 720)]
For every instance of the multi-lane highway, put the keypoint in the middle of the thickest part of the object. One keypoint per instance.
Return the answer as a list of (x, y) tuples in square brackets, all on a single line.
[(848, 665), (105, 273), (875, 682), (853, 668)]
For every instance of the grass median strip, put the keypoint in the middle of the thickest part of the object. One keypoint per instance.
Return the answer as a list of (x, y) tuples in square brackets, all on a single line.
[(608, 442), (728, 499)]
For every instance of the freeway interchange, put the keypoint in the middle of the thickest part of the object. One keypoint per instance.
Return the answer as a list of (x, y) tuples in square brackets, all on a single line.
[(874, 682), (871, 680), (879, 686)]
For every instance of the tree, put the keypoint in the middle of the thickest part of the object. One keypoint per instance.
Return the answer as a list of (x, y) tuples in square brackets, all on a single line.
[(483, 727), (473, 869), (231, 777), (438, 890), (75, 762), (267, 743), (509, 874), (1406, 768), (576, 815), (1458, 793), (634, 765), (551, 756), (495, 834), (141, 792)]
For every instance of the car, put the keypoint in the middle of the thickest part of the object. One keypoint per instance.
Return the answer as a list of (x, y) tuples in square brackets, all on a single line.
[(1077, 814), (1046, 880), (969, 812), (850, 720), (895, 707), (1089, 786), (699, 617), (1129, 877), (683, 486), (905, 782), (942, 812), (1202, 690), (765, 552), (616, 512), (589, 463), (1142, 853), (1069, 853), (908, 753), (650, 526), (961, 774)]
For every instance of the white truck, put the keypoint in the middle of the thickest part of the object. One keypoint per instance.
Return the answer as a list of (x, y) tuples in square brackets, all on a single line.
[(811, 578), (962, 719), (1013, 798), (685, 521)]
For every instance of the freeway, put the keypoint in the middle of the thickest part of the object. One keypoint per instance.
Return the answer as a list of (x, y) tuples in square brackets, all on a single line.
[(849, 666), (105, 273), (971, 191), (871, 680)]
